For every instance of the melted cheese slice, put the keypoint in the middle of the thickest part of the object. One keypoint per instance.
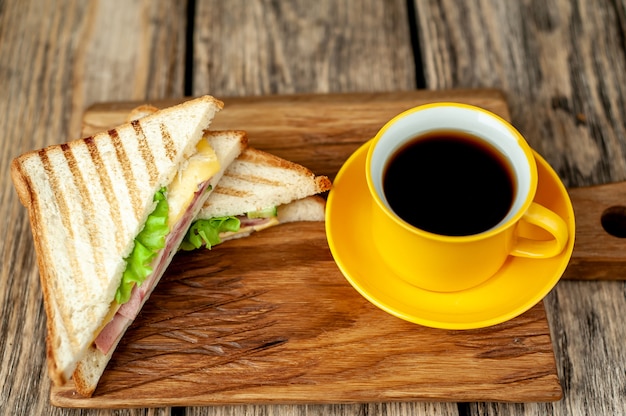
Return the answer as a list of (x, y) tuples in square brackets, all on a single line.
[(108, 318), (197, 169)]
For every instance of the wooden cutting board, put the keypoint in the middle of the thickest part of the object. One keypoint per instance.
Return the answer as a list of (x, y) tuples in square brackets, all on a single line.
[(270, 318)]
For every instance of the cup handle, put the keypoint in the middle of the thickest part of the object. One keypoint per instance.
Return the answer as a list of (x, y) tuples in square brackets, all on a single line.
[(542, 217)]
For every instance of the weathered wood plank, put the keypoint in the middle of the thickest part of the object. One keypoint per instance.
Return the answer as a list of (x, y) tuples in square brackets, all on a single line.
[(56, 58), (562, 66), (266, 47)]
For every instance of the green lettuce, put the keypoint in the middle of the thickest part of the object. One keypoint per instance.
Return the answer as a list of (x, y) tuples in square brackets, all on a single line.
[(263, 213), (150, 240), (207, 232)]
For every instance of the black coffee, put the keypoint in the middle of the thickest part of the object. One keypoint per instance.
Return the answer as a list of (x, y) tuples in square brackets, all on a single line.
[(449, 183)]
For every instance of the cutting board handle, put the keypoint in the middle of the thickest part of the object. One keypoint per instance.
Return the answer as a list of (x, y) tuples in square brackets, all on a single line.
[(600, 247)]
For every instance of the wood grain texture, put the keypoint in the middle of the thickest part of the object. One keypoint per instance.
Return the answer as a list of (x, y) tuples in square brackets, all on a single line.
[(409, 408), (561, 63), (266, 47), (562, 67), (55, 59), (600, 247), (270, 319), (587, 320)]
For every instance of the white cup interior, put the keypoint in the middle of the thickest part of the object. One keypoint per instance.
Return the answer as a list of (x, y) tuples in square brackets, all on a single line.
[(457, 118)]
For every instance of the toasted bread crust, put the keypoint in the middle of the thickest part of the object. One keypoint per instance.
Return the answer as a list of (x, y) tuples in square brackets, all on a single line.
[(20, 183), (24, 191), (90, 368), (267, 159), (311, 208), (323, 183), (240, 134), (141, 111)]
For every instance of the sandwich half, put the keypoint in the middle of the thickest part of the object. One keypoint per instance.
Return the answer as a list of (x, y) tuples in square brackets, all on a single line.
[(258, 190), (107, 214)]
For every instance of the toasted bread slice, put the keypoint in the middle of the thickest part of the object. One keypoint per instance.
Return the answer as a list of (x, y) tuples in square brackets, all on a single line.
[(87, 200), (311, 208), (262, 191), (257, 180)]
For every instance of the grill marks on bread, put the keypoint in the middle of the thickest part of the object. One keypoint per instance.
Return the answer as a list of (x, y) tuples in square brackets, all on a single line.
[(245, 163), (258, 180), (64, 213), (81, 166), (168, 143), (252, 160), (144, 148), (107, 187), (126, 171), (252, 179), (103, 181), (88, 206), (56, 184)]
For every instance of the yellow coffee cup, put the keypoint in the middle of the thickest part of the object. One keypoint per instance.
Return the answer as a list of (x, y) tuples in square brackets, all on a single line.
[(451, 185)]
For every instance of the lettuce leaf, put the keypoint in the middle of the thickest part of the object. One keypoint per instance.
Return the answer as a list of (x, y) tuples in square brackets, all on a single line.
[(148, 242), (263, 213), (207, 232)]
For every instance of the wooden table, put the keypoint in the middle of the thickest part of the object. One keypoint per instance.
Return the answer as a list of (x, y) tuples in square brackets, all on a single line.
[(561, 64)]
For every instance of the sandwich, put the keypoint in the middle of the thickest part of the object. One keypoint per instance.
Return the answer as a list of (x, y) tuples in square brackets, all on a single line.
[(107, 214), (258, 190)]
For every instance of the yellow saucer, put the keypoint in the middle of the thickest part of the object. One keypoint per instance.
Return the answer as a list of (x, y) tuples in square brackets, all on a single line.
[(517, 287)]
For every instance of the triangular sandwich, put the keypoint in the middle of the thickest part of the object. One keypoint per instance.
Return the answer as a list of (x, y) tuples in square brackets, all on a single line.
[(107, 214), (257, 191)]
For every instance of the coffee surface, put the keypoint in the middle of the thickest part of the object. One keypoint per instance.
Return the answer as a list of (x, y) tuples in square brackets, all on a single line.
[(449, 183)]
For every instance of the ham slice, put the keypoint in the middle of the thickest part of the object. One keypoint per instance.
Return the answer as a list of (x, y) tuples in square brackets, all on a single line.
[(127, 312), (108, 337), (252, 222)]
